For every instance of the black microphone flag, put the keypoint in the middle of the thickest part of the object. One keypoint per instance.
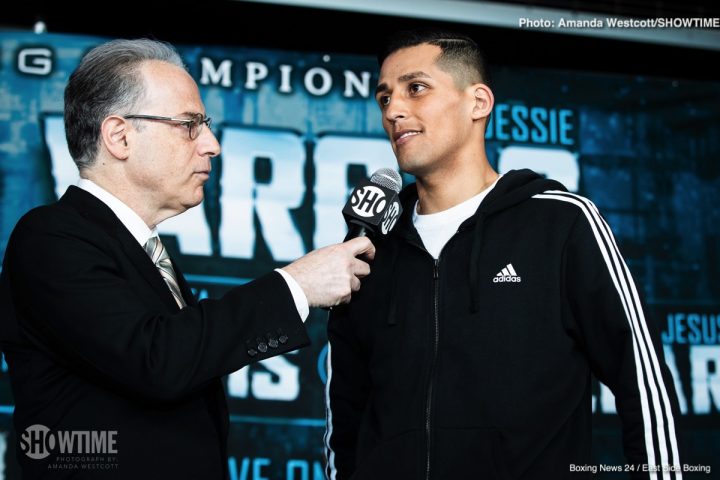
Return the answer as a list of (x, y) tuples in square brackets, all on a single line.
[(374, 206)]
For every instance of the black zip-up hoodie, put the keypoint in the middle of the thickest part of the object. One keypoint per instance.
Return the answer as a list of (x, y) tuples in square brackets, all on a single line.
[(477, 365)]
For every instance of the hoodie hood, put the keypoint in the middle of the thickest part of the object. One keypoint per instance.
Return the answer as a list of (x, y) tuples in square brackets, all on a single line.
[(514, 187)]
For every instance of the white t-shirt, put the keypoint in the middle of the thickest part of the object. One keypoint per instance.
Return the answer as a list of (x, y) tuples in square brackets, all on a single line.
[(436, 229)]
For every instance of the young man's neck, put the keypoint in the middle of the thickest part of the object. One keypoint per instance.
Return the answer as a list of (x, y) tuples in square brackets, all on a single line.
[(444, 190)]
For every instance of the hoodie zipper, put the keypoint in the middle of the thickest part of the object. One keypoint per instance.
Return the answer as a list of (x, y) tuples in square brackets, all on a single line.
[(436, 344), (428, 407)]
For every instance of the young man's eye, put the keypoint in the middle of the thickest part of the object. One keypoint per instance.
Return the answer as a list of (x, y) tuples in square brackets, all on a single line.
[(384, 100), (416, 87)]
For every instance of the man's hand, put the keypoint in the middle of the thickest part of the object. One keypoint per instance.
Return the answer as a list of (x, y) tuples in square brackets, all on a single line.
[(329, 275)]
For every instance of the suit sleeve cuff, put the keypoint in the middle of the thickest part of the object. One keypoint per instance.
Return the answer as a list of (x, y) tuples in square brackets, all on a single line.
[(301, 302)]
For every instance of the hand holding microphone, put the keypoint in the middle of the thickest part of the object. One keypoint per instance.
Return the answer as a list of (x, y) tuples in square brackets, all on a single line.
[(329, 275)]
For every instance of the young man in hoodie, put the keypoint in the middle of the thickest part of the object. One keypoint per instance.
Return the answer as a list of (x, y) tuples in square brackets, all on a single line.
[(468, 351)]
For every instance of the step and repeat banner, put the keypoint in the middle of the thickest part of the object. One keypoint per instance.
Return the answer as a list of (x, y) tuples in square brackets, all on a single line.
[(299, 130)]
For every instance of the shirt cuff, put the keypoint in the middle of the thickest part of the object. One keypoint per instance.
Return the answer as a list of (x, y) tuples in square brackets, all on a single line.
[(301, 302)]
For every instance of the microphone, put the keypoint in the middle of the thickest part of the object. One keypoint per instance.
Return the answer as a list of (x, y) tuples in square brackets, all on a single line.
[(374, 206)]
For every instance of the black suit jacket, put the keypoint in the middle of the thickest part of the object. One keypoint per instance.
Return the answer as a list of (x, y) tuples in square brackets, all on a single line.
[(95, 342)]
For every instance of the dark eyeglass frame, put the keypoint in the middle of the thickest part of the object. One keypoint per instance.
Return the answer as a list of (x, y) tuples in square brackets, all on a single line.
[(193, 125)]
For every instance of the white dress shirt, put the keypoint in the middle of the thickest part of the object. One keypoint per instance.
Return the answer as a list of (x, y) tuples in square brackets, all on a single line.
[(139, 229)]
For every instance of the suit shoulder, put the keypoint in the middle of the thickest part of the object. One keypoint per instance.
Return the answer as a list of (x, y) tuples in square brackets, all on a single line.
[(48, 216), (48, 221)]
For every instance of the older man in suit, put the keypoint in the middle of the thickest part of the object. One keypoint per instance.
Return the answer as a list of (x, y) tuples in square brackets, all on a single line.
[(99, 328)]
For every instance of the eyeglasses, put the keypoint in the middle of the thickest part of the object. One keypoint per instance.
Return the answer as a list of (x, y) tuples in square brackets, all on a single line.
[(194, 124)]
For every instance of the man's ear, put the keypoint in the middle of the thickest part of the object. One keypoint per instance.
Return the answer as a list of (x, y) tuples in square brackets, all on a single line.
[(484, 101), (113, 131)]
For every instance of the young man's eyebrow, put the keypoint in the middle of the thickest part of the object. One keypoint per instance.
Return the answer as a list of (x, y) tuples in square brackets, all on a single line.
[(407, 77)]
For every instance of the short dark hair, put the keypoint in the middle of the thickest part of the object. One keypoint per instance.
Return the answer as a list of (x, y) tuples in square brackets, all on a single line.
[(107, 81), (460, 56)]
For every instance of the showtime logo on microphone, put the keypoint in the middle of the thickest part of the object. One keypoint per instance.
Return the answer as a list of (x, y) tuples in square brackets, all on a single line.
[(373, 207), (368, 201), (390, 218)]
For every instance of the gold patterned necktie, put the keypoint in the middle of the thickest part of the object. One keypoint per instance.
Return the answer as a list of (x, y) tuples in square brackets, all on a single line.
[(160, 258)]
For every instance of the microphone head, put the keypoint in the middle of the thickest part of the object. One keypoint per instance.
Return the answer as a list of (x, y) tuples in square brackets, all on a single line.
[(388, 178)]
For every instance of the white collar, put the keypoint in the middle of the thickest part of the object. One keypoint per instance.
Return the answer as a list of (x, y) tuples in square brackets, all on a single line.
[(125, 214)]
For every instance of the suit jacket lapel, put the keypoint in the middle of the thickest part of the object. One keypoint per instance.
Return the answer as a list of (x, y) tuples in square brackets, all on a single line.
[(97, 212)]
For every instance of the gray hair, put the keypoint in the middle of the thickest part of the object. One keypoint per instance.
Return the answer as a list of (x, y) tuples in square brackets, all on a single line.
[(107, 81)]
